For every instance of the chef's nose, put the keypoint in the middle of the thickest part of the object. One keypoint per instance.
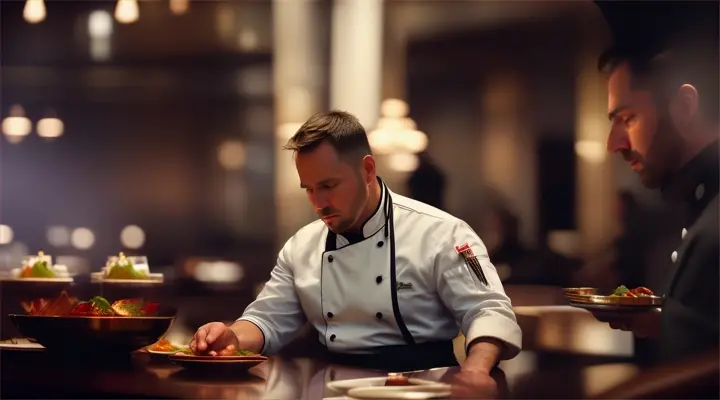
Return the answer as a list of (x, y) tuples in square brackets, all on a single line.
[(618, 139), (319, 200)]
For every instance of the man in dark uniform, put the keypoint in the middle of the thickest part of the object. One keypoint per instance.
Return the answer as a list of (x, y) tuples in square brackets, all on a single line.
[(663, 106)]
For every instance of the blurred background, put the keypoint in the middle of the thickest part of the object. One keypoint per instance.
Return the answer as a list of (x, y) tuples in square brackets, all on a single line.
[(154, 128)]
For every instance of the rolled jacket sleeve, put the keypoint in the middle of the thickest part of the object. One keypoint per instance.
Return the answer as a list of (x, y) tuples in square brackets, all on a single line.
[(277, 310), (482, 310)]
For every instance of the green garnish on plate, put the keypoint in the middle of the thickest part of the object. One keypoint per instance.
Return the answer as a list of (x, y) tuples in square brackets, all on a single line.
[(620, 291), (41, 270)]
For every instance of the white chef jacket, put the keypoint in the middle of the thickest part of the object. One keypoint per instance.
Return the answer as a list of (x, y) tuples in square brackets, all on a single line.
[(346, 293)]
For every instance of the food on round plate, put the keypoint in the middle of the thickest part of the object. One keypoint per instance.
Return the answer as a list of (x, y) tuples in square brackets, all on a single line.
[(123, 267), (40, 266), (66, 305), (164, 345), (640, 291), (230, 351), (397, 380)]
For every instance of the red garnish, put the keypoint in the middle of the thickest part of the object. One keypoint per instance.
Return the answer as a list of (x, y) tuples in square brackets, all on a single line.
[(150, 309), (85, 308)]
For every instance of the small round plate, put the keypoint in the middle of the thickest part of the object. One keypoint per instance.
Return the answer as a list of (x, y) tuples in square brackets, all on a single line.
[(216, 365), (344, 386), (434, 391), (40, 280), (610, 308), (186, 357), (153, 279), (621, 301)]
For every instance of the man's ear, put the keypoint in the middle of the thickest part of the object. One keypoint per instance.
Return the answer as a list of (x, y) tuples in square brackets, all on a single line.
[(684, 107), (368, 167)]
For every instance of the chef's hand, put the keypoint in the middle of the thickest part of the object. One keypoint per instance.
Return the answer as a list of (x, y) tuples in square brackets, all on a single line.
[(214, 339), (474, 385), (641, 324)]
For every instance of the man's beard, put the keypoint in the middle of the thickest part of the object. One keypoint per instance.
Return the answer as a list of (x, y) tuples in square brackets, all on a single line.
[(663, 156), (344, 223)]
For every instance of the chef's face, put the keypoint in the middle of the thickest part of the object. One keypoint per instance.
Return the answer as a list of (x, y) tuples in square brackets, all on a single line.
[(644, 134), (338, 189)]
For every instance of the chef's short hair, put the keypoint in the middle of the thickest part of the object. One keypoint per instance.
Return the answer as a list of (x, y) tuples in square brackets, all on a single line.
[(663, 70), (342, 130)]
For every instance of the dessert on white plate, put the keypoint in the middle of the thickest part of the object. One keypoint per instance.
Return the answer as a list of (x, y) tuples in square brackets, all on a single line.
[(129, 269), (40, 268)]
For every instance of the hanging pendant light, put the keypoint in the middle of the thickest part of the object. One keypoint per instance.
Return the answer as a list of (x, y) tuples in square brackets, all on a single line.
[(50, 127), (34, 11), (16, 126), (127, 11)]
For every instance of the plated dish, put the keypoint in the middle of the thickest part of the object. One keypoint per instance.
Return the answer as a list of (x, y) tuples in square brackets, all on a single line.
[(97, 325), (235, 361), (127, 269), (621, 299), (40, 268)]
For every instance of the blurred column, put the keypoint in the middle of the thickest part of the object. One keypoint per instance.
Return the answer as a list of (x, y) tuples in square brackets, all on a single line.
[(595, 186), (507, 156), (356, 58), (298, 61)]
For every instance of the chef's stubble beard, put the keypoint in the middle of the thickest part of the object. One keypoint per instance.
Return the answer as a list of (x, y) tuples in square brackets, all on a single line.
[(359, 203)]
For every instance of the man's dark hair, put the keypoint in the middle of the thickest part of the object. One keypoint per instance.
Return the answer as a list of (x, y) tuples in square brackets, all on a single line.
[(663, 71), (342, 130)]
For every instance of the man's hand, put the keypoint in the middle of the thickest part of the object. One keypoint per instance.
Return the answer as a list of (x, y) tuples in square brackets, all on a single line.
[(214, 339), (641, 324), (473, 385)]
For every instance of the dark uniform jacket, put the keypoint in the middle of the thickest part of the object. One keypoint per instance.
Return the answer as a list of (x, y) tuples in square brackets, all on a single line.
[(689, 319)]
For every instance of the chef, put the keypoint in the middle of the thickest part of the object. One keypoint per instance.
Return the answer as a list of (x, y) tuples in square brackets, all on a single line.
[(385, 280)]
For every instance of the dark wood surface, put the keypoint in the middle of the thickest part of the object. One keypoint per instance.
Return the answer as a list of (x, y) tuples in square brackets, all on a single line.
[(41, 375)]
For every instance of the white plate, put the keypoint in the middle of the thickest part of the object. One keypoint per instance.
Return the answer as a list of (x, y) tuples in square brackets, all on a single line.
[(401, 392), (21, 346), (345, 385), (40, 280), (154, 279)]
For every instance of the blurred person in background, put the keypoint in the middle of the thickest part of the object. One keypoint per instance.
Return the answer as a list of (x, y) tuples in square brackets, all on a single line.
[(385, 280), (427, 182), (517, 263), (663, 108)]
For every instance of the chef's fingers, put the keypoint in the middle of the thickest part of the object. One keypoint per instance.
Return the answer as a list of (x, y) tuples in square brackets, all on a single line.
[(192, 345), (214, 331), (200, 337)]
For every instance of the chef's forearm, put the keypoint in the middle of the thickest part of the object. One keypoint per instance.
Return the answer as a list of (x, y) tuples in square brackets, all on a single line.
[(249, 336), (483, 354)]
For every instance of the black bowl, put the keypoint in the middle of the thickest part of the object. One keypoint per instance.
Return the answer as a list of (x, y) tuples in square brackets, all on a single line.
[(81, 334)]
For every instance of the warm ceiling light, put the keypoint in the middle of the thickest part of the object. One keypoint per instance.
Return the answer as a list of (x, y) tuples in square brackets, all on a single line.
[(50, 127), (127, 11), (34, 11), (179, 7), (17, 125)]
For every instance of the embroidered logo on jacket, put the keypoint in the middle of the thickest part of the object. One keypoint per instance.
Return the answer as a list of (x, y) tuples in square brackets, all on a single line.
[(471, 261), (404, 286)]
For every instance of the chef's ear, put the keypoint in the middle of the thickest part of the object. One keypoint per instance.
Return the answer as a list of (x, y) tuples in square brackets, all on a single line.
[(368, 167)]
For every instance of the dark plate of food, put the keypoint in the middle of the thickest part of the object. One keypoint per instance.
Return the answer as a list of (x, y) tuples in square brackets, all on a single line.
[(621, 299), (65, 323)]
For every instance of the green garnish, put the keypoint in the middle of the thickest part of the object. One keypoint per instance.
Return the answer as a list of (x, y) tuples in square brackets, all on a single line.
[(244, 353), (40, 269), (620, 291), (100, 303), (125, 269)]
